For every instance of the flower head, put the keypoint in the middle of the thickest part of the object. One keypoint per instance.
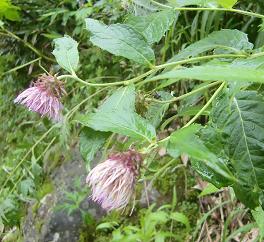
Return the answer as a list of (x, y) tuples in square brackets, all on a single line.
[(113, 181), (44, 97)]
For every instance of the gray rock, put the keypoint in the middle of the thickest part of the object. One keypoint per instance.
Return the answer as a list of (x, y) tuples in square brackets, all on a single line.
[(44, 223)]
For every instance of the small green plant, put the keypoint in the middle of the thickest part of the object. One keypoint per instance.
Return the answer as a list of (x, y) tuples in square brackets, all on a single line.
[(153, 225), (73, 201)]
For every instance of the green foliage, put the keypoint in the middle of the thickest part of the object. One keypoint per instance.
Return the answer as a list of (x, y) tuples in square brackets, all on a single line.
[(223, 41), (210, 188), (74, 200), (224, 72), (237, 118), (227, 3), (9, 11), (117, 114), (120, 40), (149, 229), (90, 142), (219, 129), (66, 53), (153, 26), (258, 214), (193, 146), (207, 3), (156, 111)]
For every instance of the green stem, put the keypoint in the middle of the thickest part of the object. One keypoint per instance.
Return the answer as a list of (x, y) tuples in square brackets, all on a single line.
[(188, 94), (201, 58), (206, 105), (155, 69), (73, 110), (126, 82), (200, 112), (23, 174), (25, 156), (257, 15), (21, 66)]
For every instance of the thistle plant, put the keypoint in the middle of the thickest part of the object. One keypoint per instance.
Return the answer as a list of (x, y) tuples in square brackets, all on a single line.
[(44, 97)]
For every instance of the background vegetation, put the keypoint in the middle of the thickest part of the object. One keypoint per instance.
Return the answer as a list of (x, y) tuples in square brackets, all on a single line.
[(31, 147)]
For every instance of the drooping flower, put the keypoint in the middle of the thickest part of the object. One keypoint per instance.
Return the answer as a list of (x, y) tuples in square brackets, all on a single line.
[(44, 97), (113, 181)]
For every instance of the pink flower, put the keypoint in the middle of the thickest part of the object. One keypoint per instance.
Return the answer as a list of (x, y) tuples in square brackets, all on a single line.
[(44, 97), (113, 181)]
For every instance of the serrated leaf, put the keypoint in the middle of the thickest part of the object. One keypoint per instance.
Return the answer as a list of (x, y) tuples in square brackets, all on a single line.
[(156, 111), (239, 118), (185, 141), (120, 40), (90, 142), (66, 53), (153, 26), (223, 41), (117, 114), (227, 72)]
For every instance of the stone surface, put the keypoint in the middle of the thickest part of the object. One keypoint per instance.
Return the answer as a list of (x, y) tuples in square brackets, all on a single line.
[(44, 223)]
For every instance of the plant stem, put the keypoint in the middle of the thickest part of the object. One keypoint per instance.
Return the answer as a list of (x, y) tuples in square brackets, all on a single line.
[(257, 15), (200, 59), (206, 105), (28, 45), (73, 110), (126, 82), (155, 68), (21, 66), (200, 112), (25, 156)]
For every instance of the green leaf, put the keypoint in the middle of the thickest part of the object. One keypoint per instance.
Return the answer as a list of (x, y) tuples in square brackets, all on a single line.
[(108, 225), (210, 188), (216, 73), (239, 119), (9, 11), (227, 3), (66, 53), (258, 215), (180, 217), (120, 40), (214, 143), (185, 141), (223, 41), (156, 110), (153, 26), (90, 142), (254, 63), (27, 186), (117, 114)]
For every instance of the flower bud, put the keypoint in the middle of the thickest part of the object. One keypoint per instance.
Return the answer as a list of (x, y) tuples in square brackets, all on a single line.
[(44, 97)]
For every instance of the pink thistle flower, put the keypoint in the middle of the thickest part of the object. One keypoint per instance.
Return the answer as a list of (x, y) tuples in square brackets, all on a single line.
[(44, 97), (113, 181)]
